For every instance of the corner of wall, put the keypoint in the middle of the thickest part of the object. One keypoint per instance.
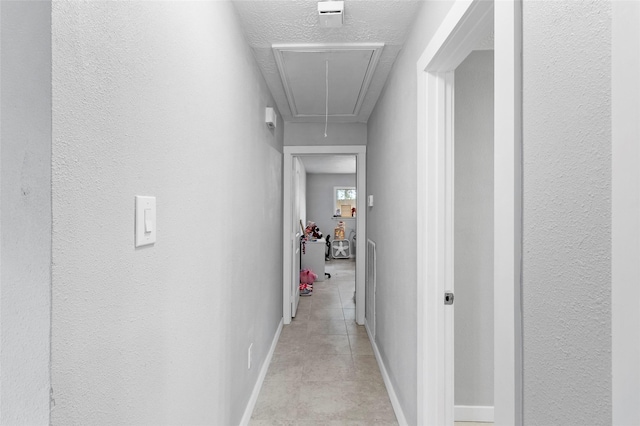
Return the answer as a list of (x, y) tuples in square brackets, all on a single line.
[(25, 212)]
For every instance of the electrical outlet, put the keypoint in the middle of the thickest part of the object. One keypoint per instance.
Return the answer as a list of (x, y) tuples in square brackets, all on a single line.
[(249, 357)]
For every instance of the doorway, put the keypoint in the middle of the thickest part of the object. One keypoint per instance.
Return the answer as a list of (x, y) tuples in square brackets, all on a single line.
[(463, 26), (292, 229), (473, 148)]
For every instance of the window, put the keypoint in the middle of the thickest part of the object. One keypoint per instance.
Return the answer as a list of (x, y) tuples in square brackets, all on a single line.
[(344, 201)]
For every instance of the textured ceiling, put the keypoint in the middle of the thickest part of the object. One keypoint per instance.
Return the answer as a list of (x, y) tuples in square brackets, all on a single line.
[(269, 22)]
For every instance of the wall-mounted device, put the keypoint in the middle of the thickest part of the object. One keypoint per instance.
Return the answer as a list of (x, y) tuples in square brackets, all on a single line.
[(145, 220), (331, 13), (271, 118)]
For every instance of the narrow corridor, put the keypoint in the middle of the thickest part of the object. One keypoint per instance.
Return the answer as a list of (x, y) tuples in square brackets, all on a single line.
[(324, 370)]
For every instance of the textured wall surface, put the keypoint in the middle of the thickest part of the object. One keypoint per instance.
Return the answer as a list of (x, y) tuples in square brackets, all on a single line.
[(25, 212), (320, 200), (162, 99), (567, 212), (313, 134), (473, 227), (392, 222)]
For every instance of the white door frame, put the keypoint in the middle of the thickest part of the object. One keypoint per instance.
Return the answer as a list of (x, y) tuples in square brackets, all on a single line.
[(625, 213), (360, 152), (455, 38)]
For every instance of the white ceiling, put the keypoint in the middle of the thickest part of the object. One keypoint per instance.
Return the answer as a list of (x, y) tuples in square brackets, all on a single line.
[(296, 74), (320, 164)]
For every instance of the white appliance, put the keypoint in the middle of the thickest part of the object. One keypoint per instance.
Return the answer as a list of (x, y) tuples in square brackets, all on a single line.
[(313, 257)]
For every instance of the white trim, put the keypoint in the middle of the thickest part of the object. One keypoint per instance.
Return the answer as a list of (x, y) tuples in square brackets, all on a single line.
[(248, 411), (450, 45), (473, 413), (508, 213), (360, 151), (278, 48), (393, 397), (287, 236), (625, 213), (457, 36)]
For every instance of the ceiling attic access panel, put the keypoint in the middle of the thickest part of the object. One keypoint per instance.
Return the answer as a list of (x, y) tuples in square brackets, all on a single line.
[(306, 80), (303, 73)]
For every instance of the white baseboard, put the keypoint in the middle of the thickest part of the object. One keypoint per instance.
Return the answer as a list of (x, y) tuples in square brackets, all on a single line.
[(248, 411), (473, 413), (395, 403)]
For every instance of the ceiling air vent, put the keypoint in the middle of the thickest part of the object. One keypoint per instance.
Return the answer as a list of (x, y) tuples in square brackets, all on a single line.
[(330, 13)]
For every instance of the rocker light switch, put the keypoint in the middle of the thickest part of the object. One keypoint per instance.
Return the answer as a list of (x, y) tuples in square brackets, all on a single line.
[(148, 221), (145, 220)]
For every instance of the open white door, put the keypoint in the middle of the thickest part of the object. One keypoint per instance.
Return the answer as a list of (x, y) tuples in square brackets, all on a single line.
[(296, 231), (295, 287), (449, 46)]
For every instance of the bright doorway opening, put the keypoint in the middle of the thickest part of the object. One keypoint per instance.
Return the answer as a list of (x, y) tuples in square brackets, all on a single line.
[(295, 211)]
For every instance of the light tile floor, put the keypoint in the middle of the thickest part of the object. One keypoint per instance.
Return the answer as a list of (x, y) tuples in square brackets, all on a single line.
[(323, 371), (472, 424)]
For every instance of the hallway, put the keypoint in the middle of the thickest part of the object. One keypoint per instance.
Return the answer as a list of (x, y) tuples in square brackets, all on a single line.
[(195, 103), (323, 369)]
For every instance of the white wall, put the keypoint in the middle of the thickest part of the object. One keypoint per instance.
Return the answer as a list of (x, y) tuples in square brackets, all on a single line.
[(391, 176), (320, 200), (567, 212), (162, 99), (473, 230), (307, 134), (625, 293), (25, 212)]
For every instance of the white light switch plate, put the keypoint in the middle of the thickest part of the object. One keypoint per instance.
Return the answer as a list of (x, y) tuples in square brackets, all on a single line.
[(145, 220)]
